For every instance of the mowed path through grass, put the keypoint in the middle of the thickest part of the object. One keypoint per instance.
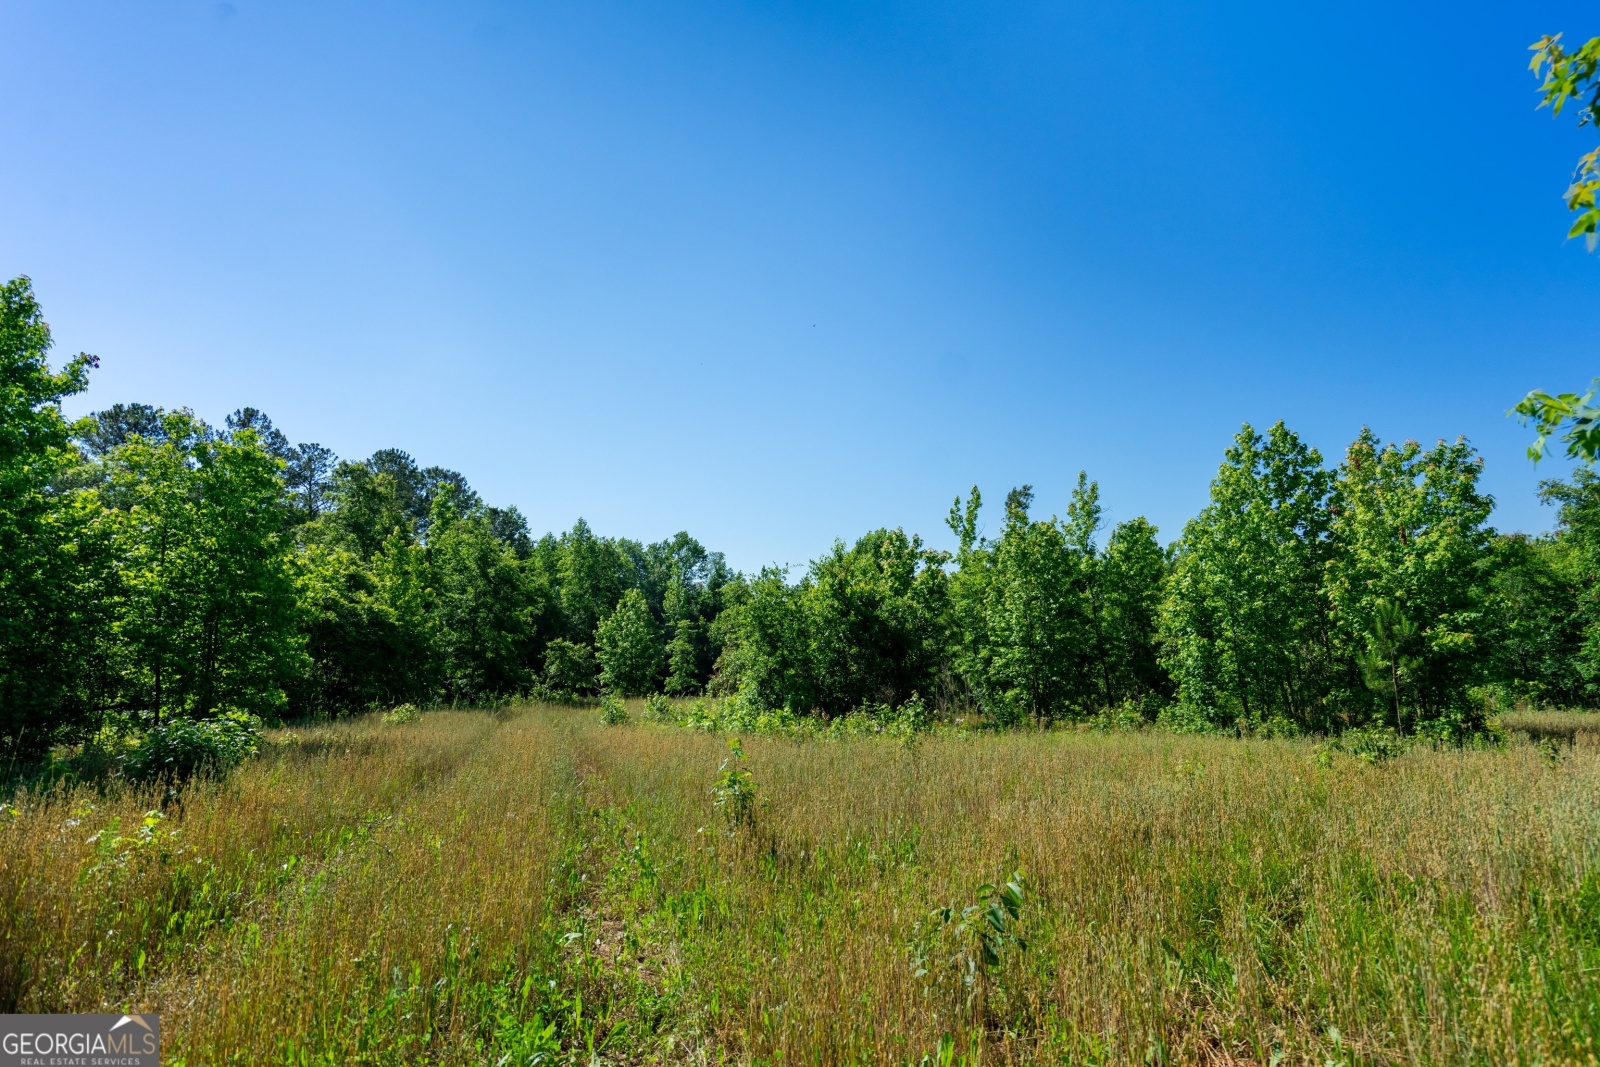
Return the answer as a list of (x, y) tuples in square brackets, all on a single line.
[(533, 887)]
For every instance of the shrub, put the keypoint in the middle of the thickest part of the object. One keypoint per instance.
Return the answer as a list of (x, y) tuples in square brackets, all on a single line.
[(613, 712), (181, 749), (658, 708), (1129, 715), (1370, 744), (1184, 718), (405, 713)]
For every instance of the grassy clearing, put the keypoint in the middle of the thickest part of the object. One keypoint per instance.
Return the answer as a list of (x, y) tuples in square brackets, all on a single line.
[(474, 888)]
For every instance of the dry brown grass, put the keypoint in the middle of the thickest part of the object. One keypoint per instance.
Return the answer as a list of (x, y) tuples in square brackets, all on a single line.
[(1190, 901)]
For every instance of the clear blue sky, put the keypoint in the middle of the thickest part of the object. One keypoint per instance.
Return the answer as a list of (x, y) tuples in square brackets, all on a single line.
[(777, 273)]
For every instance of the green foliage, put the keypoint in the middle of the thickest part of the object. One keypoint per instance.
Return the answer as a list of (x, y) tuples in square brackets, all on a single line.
[(181, 749), (1369, 744), (1245, 628), (52, 552), (684, 658), (484, 602), (866, 624), (167, 568), (1410, 548), (569, 669), (1129, 715), (613, 712), (1538, 619), (628, 646), (972, 943), (366, 623), (1573, 76), (1566, 76), (402, 715), (733, 793), (1048, 625), (1576, 418), (592, 574), (1388, 663), (1036, 629), (1130, 584), (767, 640), (875, 615), (205, 611), (1572, 668)]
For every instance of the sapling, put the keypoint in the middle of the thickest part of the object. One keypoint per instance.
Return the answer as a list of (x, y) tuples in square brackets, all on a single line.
[(734, 793), (982, 934)]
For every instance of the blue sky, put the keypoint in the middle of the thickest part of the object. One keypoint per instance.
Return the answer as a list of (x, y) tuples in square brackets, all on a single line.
[(780, 273)]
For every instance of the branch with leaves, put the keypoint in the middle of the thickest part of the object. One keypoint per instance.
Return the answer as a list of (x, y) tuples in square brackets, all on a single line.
[(1575, 418), (1570, 76)]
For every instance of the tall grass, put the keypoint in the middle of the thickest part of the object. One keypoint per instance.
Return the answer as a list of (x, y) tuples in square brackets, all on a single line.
[(475, 889), (1573, 727)]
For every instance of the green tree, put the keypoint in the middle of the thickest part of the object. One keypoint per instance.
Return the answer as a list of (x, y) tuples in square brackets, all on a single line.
[(102, 431), (50, 558), (766, 643), (1571, 624), (1410, 539), (1388, 662), (685, 584), (569, 669), (1245, 626), (686, 655), (628, 645), (969, 583), (877, 613), (591, 575), (1131, 582), (483, 603), (1566, 76), (206, 616), (366, 624), (1037, 653), (369, 506)]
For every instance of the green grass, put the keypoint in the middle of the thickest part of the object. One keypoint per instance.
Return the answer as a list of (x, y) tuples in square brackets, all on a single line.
[(477, 888)]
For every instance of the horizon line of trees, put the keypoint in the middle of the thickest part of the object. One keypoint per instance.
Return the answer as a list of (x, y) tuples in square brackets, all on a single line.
[(153, 565)]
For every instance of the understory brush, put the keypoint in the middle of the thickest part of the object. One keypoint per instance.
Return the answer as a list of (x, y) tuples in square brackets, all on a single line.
[(736, 714)]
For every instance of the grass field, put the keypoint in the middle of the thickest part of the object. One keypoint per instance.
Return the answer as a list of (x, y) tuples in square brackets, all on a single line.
[(1573, 727), (532, 887)]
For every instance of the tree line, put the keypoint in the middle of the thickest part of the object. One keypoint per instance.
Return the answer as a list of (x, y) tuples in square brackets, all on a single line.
[(154, 566)]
